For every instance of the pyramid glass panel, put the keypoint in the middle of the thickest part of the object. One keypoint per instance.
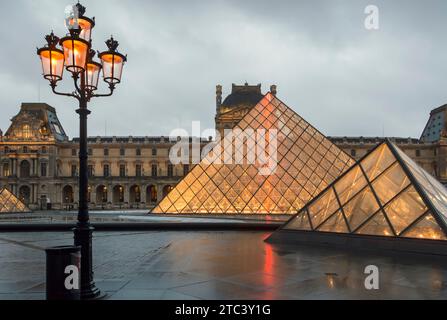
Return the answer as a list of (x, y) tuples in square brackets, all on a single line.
[(289, 169), (432, 187), (377, 225), (405, 209), (426, 228), (383, 194), (336, 223), (9, 203)]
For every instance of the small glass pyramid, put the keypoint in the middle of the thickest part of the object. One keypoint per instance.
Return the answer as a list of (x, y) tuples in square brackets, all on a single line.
[(384, 194), (9, 203), (306, 163)]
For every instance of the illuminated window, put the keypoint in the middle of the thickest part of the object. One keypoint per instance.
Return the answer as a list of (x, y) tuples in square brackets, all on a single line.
[(6, 172), (26, 131)]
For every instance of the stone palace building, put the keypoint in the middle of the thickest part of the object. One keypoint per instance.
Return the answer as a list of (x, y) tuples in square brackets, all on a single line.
[(39, 163)]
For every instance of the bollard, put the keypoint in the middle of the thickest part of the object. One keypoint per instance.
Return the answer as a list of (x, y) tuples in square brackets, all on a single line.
[(63, 273)]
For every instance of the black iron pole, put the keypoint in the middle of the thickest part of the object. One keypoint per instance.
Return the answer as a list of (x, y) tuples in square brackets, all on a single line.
[(83, 231)]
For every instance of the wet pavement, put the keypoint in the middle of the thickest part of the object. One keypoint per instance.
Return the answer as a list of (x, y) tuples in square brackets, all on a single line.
[(217, 265), (133, 216)]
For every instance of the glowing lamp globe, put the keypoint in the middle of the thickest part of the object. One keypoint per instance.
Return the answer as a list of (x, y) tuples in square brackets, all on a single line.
[(52, 59), (75, 51), (112, 63)]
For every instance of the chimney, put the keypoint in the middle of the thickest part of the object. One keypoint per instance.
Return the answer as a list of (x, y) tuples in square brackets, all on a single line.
[(218, 98), (273, 89)]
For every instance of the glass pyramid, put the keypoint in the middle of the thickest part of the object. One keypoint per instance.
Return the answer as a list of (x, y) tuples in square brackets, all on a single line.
[(9, 203), (306, 162), (384, 194)]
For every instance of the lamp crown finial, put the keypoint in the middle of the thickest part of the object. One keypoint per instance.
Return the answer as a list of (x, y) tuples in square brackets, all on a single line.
[(81, 9), (112, 44), (52, 40)]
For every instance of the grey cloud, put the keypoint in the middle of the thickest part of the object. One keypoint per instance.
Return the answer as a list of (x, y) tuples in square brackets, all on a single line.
[(344, 79)]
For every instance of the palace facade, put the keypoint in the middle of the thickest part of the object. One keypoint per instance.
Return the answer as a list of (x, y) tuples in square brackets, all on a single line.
[(39, 163)]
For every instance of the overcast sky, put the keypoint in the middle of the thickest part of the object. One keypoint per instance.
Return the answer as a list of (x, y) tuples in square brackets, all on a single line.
[(341, 77)]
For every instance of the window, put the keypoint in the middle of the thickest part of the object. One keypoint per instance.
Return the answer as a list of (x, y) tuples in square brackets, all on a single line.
[(435, 152), (106, 170), (6, 172), (74, 170), (25, 169), (154, 170), (90, 151), (122, 170), (353, 152), (185, 169), (122, 152), (25, 149), (170, 170), (43, 169), (418, 153), (73, 152), (26, 131), (154, 151), (138, 152), (106, 152), (90, 170), (138, 170), (44, 150)]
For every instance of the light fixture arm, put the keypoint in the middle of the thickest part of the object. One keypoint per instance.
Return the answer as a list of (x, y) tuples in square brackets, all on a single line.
[(111, 88), (53, 86)]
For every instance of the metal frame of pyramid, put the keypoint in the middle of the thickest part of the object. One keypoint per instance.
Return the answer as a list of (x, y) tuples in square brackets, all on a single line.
[(9, 203), (306, 163), (383, 202)]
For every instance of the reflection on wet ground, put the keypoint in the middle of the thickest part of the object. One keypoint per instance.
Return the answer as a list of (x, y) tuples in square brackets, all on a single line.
[(218, 265)]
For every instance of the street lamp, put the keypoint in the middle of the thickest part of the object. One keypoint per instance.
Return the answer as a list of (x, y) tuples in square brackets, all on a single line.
[(76, 55)]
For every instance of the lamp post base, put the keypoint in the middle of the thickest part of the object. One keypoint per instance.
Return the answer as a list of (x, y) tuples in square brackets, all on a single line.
[(83, 234)]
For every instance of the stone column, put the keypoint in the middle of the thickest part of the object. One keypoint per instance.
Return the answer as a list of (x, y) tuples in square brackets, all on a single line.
[(126, 193), (143, 193)]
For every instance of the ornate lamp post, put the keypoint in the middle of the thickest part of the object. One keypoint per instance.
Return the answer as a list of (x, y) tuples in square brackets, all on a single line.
[(76, 55)]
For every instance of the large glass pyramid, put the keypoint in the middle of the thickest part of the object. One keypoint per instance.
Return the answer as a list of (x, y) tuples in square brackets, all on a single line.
[(306, 163), (384, 194), (9, 203)]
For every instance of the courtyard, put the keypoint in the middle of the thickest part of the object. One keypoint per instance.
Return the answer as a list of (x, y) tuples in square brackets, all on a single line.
[(226, 265)]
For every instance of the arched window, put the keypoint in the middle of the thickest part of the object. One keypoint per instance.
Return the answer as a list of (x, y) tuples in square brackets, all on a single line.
[(135, 194), (67, 194), (101, 194), (166, 190), (25, 194), (118, 194), (25, 169), (151, 194)]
